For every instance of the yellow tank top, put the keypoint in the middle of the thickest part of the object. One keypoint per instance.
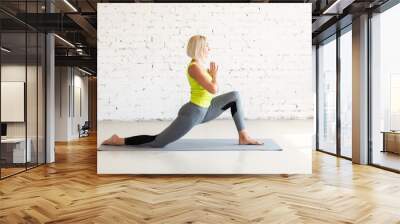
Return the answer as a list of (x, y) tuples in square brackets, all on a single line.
[(199, 95)]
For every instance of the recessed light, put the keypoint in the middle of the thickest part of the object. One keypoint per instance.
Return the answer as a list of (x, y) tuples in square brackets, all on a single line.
[(70, 5), (64, 40), (5, 50), (337, 7), (86, 72)]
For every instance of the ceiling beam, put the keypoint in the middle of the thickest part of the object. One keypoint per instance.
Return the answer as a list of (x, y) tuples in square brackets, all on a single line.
[(86, 26), (82, 61), (322, 20)]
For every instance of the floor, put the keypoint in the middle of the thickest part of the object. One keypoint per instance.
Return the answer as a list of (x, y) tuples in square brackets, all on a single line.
[(294, 136), (70, 191), (8, 171), (387, 159)]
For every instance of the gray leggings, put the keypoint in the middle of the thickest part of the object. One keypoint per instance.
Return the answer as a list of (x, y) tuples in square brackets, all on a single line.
[(190, 115)]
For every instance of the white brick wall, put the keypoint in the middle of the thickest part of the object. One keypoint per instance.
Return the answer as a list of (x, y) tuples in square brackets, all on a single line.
[(264, 52)]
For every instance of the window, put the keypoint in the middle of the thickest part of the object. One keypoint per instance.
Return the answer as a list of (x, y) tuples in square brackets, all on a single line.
[(327, 96), (346, 93), (385, 89)]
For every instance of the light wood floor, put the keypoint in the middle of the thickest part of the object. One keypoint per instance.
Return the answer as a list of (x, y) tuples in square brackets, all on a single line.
[(387, 159), (10, 171), (70, 191)]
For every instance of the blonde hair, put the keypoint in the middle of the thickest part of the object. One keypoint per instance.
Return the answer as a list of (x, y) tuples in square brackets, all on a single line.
[(196, 47)]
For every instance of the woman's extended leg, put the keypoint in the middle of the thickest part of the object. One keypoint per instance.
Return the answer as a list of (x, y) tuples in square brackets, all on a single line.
[(188, 116), (230, 100), (139, 139), (134, 140)]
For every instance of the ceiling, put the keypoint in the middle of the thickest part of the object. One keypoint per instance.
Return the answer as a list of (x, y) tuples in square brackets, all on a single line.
[(76, 21)]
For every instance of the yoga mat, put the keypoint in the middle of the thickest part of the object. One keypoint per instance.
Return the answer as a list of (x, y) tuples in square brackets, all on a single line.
[(200, 145)]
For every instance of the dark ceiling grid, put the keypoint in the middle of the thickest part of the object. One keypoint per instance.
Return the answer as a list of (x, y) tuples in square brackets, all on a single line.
[(80, 27)]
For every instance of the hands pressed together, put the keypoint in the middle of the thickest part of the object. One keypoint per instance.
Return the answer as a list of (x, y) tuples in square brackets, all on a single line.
[(213, 70)]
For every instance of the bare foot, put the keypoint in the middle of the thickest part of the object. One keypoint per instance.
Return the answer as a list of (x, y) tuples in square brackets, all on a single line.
[(114, 140), (249, 141)]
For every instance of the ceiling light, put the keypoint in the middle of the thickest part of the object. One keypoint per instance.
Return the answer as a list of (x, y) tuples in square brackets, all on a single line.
[(70, 5), (5, 50), (86, 72), (338, 6), (64, 40)]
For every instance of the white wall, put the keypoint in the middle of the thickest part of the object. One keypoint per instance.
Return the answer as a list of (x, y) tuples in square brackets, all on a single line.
[(62, 80), (264, 52), (69, 79), (16, 72), (79, 117)]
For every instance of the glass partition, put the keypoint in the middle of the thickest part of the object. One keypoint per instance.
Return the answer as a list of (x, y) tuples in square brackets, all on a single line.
[(41, 111), (327, 95), (385, 89), (22, 77), (13, 95), (32, 96), (346, 93)]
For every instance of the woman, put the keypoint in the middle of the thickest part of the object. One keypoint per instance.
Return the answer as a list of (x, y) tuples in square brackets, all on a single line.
[(203, 106)]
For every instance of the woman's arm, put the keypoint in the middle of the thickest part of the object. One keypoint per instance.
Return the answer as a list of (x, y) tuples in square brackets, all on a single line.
[(196, 73)]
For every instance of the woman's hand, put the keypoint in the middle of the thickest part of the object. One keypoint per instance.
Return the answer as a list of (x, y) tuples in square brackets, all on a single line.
[(203, 79), (213, 70)]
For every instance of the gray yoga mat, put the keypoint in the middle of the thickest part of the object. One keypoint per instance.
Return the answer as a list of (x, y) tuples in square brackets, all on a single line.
[(200, 145)]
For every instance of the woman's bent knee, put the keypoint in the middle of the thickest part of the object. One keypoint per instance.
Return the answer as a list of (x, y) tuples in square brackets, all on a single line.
[(235, 95)]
